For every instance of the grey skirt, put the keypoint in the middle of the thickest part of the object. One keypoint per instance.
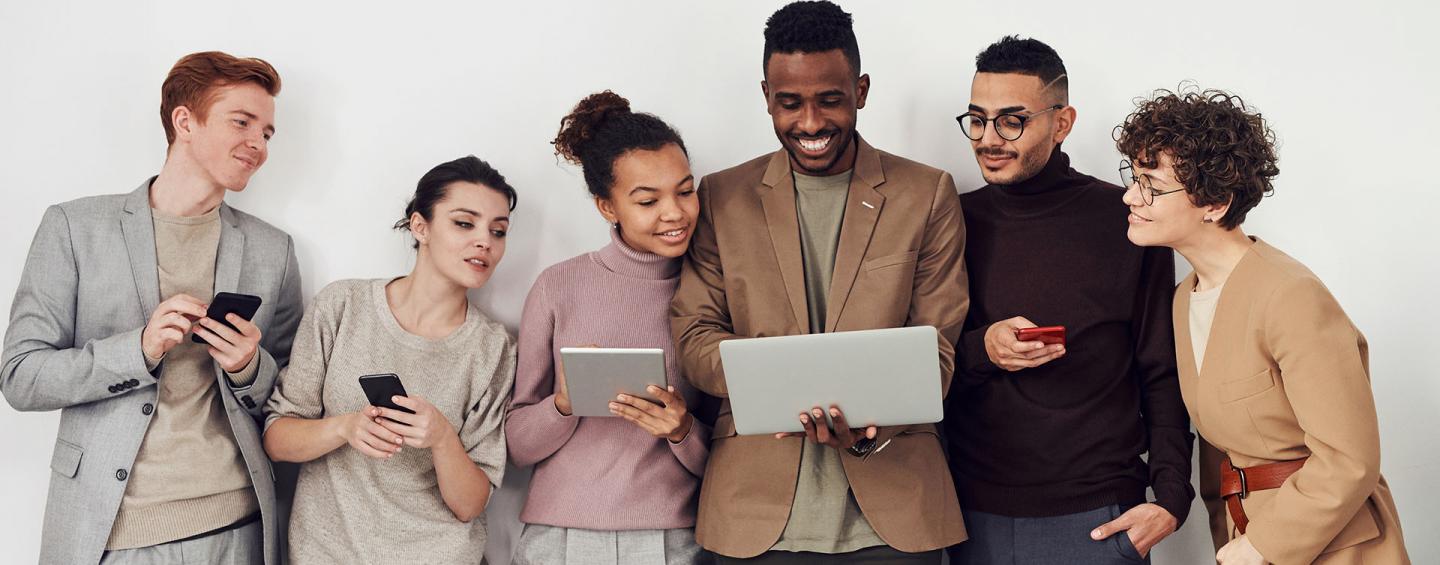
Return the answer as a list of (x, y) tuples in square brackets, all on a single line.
[(550, 545)]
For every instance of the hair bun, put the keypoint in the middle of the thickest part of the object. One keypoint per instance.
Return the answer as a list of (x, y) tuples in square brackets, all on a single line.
[(578, 128)]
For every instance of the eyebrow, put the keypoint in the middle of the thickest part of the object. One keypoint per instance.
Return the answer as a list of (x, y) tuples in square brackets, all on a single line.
[(477, 214), (1005, 110), (687, 179), (248, 115), (822, 94)]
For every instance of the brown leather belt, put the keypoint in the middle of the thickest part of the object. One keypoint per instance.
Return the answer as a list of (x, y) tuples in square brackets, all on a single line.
[(1236, 484)]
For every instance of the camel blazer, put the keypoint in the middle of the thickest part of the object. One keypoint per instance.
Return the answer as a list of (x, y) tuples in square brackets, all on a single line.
[(899, 263), (73, 345), (1286, 376)]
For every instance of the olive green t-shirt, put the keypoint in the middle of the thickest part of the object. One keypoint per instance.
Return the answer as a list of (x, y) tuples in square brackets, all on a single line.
[(825, 517)]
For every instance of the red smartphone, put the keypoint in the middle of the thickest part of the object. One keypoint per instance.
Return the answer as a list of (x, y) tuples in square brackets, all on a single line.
[(1048, 335)]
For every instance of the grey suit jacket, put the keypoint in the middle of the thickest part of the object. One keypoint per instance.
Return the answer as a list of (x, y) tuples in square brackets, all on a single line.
[(89, 286)]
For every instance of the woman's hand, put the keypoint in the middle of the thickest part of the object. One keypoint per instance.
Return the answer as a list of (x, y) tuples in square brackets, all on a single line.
[(424, 429), (670, 419), (562, 392), (1239, 552), (362, 432)]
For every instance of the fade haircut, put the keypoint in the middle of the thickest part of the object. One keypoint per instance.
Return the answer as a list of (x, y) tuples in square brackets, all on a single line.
[(1029, 57), (811, 27)]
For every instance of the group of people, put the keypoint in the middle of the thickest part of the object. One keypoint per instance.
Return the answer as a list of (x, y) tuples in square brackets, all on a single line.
[(170, 419)]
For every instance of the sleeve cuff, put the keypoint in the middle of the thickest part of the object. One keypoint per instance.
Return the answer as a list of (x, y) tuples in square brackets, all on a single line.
[(972, 350), (1174, 501), (244, 377), (150, 362)]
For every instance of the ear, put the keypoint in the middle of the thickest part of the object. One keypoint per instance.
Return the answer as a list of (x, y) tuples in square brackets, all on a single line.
[(1064, 123), (181, 120), (765, 91), (607, 210), (419, 228), (1215, 212), (862, 90)]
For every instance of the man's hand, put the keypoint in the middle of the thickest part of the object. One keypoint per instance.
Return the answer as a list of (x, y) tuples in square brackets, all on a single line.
[(1145, 524), (842, 436), (169, 324), (231, 349), (1011, 354)]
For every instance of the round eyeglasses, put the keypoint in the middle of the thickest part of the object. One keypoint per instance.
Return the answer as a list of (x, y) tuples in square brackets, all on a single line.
[(1147, 190), (1008, 126)]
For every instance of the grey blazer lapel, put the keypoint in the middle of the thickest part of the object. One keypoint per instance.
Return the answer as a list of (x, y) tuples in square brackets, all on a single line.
[(230, 254), (139, 229)]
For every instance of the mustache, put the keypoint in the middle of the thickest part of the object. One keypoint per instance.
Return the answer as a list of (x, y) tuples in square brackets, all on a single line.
[(996, 152)]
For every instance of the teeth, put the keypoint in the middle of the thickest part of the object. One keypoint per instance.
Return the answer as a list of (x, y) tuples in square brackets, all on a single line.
[(814, 144), (672, 233), (476, 262)]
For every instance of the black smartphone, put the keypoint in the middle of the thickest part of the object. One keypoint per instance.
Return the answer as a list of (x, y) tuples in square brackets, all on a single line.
[(243, 305), (379, 388)]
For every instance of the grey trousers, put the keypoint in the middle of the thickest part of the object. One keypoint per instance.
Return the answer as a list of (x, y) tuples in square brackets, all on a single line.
[(552, 545), (1058, 540), (244, 545), (878, 555)]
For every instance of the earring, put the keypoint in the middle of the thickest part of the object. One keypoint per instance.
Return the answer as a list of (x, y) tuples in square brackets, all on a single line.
[(615, 225), (1207, 221)]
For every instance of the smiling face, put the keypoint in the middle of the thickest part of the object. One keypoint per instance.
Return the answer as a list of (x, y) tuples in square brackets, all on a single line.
[(1172, 219), (232, 142), (653, 199), (813, 99), (464, 239), (1006, 162)]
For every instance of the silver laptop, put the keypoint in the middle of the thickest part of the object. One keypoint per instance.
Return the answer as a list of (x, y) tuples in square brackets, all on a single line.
[(877, 377)]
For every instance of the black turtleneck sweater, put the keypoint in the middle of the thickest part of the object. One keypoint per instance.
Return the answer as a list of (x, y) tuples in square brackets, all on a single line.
[(1067, 436)]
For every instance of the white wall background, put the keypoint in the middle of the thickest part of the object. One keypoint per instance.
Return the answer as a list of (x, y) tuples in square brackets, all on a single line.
[(375, 95)]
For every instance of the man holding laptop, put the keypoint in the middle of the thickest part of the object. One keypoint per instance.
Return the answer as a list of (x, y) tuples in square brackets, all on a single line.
[(826, 235), (1046, 438)]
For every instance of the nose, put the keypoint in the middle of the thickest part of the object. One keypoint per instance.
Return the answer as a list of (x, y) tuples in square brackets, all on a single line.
[(990, 136), (1132, 195), (810, 120), (670, 210)]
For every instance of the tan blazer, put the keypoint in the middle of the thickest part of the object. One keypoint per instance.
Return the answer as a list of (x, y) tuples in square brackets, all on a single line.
[(899, 263), (1286, 376)]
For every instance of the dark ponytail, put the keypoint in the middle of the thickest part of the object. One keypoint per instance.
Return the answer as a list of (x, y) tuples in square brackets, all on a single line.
[(600, 129), (433, 186)]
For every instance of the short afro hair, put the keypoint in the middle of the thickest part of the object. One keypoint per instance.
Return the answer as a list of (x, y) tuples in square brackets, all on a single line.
[(811, 27), (1223, 151), (1030, 57)]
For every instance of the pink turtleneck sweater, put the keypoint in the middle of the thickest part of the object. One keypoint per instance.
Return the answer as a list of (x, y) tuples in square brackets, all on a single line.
[(601, 473)]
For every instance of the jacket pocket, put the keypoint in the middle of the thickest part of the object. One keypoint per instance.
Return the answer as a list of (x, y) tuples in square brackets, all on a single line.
[(66, 458), (890, 260), (1247, 387)]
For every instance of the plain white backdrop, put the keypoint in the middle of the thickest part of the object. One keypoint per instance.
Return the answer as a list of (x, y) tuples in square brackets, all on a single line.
[(375, 94)]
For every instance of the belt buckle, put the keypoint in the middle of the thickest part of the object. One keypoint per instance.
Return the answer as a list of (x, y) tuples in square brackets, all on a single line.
[(1244, 485)]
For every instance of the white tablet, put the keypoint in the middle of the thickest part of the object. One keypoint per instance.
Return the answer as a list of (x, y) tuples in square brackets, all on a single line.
[(594, 376), (883, 377)]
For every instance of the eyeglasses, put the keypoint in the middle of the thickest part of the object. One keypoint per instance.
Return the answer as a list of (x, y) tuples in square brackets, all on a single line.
[(1008, 126), (1147, 191)]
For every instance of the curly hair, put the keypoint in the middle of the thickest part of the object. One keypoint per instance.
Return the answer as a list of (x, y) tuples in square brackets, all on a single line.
[(1222, 150), (600, 129), (811, 27)]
